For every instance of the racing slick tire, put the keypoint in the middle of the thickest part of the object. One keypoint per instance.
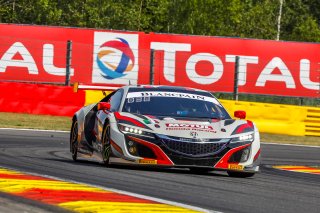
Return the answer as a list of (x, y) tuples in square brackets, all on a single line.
[(74, 139), (106, 145), (240, 174), (196, 170)]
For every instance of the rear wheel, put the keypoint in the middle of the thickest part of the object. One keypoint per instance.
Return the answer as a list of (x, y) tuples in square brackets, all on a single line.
[(106, 145), (240, 174), (74, 140)]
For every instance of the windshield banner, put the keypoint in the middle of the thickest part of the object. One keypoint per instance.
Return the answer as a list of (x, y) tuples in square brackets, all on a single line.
[(171, 95)]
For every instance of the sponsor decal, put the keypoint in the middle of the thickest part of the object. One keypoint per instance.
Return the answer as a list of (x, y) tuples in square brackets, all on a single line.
[(194, 134), (235, 167), (157, 126), (171, 94), (195, 126), (147, 121), (115, 58), (185, 58), (280, 68), (138, 99), (35, 61), (147, 161), (186, 126)]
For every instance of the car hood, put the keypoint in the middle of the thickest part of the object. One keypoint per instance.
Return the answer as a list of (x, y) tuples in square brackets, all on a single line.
[(196, 128)]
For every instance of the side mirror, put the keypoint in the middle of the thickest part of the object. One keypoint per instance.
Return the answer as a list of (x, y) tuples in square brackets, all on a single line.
[(240, 114), (104, 106)]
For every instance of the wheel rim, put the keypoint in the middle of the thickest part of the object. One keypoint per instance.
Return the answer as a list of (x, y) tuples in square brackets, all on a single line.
[(106, 145), (74, 139), (106, 153), (107, 136)]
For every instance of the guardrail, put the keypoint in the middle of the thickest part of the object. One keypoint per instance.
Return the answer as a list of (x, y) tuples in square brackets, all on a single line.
[(39, 99), (57, 100), (270, 118), (279, 118), (312, 122)]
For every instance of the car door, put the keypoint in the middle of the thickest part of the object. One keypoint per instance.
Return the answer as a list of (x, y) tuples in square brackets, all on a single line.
[(103, 115)]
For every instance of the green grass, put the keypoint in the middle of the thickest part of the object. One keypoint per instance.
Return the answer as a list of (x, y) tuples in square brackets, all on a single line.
[(17, 120), (302, 140)]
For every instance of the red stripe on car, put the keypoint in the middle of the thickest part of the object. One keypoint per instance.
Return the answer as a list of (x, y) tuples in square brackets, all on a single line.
[(162, 158), (223, 163), (242, 127), (131, 120), (116, 146), (257, 155)]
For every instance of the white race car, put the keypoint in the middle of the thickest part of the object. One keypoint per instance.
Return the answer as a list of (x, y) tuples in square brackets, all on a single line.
[(166, 126)]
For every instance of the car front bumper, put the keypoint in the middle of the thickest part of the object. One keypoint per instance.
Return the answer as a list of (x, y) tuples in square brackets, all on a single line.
[(226, 157)]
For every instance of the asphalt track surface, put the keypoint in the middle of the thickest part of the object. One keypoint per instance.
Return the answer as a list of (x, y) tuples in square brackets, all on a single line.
[(271, 190)]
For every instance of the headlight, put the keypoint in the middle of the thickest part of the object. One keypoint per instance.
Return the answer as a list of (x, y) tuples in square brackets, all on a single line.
[(243, 138), (134, 131)]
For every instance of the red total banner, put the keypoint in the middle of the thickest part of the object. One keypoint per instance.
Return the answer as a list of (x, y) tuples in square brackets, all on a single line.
[(38, 54), (40, 99)]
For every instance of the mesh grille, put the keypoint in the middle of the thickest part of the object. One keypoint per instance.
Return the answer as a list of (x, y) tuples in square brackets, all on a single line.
[(193, 149)]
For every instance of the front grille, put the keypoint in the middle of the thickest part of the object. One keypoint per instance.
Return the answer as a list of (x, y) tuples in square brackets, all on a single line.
[(195, 149)]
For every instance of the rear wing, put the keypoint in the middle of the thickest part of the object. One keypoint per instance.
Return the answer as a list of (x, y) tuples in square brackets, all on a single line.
[(78, 86)]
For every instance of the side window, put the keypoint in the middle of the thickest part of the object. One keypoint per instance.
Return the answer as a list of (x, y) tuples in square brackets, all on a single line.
[(115, 100), (108, 97)]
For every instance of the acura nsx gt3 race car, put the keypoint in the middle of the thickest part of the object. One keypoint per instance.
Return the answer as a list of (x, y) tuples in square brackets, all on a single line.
[(166, 126)]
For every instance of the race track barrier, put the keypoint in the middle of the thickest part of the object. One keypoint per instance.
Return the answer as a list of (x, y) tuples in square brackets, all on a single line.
[(270, 118), (62, 101), (39, 99), (93, 96), (279, 118), (312, 122)]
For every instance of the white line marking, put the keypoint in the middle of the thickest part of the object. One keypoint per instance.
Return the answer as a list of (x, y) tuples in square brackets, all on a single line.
[(36, 130), (287, 144), (159, 200)]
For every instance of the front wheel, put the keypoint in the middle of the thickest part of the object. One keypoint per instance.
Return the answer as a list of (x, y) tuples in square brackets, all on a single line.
[(74, 140), (106, 146), (240, 174)]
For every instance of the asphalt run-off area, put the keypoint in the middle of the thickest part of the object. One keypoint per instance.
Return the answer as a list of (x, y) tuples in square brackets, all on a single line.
[(36, 170)]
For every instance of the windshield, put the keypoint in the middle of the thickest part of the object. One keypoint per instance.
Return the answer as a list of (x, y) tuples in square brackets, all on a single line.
[(174, 104)]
